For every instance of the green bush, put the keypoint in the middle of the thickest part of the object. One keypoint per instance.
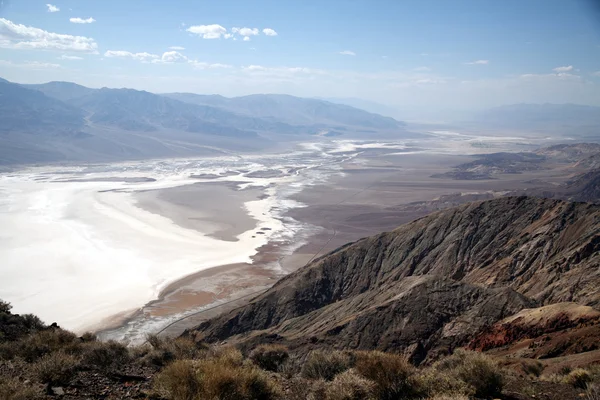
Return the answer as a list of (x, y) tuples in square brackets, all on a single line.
[(270, 357), (394, 376), (325, 364)]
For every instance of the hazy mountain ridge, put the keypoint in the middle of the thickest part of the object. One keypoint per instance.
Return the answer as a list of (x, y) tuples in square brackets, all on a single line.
[(24, 109), (431, 284), (294, 110), (75, 123)]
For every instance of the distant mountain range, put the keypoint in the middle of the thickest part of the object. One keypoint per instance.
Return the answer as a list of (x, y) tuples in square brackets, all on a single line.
[(41, 121)]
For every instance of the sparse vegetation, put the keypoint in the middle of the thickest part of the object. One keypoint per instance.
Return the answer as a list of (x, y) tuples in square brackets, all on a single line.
[(56, 368), (349, 385), (578, 378), (38, 363), (325, 364), (476, 369), (214, 378), (108, 355), (270, 357), (393, 375), (15, 389), (532, 367)]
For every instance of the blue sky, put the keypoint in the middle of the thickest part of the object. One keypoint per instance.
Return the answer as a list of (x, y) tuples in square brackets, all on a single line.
[(444, 53)]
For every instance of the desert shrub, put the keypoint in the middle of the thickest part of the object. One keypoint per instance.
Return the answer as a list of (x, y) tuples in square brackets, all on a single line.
[(566, 370), (532, 367), (5, 307), (442, 383), (349, 386), (476, 369), (154, 340), (270, 357), (227, 355), (164, 351), (592, 392), (393, 375), (105, 355), (214, 379), (43, 342), (14, 389), (14, 327), (178, 381), (56, 368), (184, 348), (299, 388), (222, 380), (578, 378), (88, 337), (325, 364)]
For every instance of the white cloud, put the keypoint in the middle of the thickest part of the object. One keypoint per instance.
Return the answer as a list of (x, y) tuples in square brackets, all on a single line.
[(563, 69), (179, 48), (30, 65), (144, 57), (82, 21), (478, 62), (269, 32), (66, 57), (547, 77), (17, 36), (246, 31), (205, 65), (52, 8), (597, 73), (347, 53), (228, 35), (214, 31), (171, 57), (422, 69), (246, 38)]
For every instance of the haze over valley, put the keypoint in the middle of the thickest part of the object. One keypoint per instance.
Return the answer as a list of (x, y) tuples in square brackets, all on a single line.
[(338, 200)]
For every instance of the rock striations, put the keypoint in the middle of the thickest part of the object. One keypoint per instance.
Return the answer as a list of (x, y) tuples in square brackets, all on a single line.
[(433, 284)]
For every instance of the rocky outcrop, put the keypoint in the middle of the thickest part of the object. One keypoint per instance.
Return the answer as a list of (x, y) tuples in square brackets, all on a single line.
[(566, 331), (432, 284)]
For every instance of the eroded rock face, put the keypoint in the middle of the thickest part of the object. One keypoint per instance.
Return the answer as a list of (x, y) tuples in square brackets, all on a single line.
[(559, 329), (431, 284)]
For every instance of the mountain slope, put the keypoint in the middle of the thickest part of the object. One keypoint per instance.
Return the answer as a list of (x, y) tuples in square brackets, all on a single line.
[(295, 110), (29, 111), (63, 91), (432, 283)]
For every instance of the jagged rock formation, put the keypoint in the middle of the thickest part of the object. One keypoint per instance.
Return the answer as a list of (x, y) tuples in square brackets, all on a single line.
[(432, 284)]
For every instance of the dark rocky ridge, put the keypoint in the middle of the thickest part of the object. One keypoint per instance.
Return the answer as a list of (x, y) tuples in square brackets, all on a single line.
[(429, 285)]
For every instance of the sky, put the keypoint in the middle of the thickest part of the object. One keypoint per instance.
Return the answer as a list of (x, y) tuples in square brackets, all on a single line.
[(440, 54)]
